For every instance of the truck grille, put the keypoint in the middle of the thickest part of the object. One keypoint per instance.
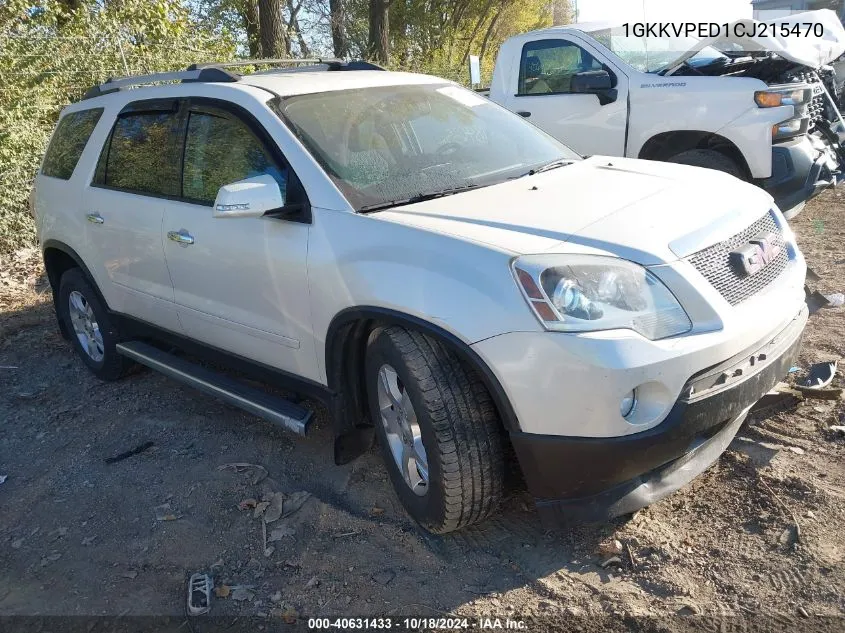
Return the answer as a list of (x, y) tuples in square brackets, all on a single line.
[(714, 264), (815, 109)]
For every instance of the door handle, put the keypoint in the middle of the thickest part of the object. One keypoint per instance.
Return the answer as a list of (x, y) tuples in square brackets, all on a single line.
[(524, 114), (181, 237), (94, 218)]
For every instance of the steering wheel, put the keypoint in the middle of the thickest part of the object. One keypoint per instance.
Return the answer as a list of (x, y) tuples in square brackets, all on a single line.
[(447, 149)]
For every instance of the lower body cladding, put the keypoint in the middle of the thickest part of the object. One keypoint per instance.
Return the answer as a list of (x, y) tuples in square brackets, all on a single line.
[(595, 478), (801, 169)]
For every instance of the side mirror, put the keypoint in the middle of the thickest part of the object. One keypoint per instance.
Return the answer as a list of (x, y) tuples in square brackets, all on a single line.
[(249, 198), (594, 82)]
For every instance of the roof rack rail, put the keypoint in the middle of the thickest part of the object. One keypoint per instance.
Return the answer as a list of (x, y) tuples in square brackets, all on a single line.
[(210, 74), (332, 63)]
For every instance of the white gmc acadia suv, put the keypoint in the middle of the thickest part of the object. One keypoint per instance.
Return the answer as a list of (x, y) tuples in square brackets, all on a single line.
[(435, 269)]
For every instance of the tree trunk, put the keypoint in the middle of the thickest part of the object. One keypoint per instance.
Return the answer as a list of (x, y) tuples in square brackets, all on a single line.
[(379, 43), (274, 40), (340, 43), (561, 12), (249, 16), (293, 27)]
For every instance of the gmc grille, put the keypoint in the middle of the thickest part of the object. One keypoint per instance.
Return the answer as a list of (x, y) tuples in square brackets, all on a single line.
[(714, 263)]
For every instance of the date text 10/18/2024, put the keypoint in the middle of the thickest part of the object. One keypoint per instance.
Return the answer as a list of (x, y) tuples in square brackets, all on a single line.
[(415, 624)]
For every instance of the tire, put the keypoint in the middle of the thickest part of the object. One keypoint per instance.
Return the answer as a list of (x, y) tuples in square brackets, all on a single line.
[(455, 421), (709, 159), (103, 361)]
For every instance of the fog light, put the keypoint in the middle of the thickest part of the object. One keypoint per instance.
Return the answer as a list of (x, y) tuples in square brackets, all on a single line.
[(626, 407)]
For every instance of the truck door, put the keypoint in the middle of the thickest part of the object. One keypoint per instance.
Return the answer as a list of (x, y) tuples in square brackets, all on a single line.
[(542, 92)]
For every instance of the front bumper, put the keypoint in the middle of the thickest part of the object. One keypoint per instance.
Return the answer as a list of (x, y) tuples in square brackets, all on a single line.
[(801, 169), (592, 479)]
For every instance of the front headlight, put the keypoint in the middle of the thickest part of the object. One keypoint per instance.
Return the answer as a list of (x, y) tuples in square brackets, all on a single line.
[(782, 97), (586, 293)]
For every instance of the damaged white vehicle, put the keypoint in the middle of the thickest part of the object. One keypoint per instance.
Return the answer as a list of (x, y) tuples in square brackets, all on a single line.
[(763, 109)]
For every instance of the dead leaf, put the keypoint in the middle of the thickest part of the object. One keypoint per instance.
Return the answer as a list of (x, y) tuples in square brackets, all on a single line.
[(222, 591), (241, 594), (375, 511), (242, 467), (290, 616), (246, 504), (275, 508)]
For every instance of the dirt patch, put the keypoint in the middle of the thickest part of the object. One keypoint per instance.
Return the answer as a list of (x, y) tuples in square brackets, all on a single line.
[(82, 536)]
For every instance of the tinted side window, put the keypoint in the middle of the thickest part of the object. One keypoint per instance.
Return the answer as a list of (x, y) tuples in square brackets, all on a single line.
[(141, 155), (68, 141), (221, 149), (547, 66)]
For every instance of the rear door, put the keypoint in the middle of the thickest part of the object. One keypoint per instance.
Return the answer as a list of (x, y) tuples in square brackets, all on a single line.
[(136, 173), (240, 283), (541, 92)]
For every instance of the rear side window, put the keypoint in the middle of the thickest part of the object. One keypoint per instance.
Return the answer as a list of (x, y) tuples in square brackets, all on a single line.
[(221, 149), (68, 141), (140, 155)]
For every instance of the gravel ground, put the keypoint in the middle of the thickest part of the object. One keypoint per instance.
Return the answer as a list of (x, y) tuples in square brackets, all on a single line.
[(758, 537)]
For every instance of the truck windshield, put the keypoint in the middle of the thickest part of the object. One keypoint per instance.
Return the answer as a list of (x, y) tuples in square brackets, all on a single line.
[(386, 145), (656, 54)]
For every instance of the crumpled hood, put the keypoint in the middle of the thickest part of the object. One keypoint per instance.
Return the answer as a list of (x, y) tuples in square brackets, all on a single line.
[(811, 51), (645, 211)]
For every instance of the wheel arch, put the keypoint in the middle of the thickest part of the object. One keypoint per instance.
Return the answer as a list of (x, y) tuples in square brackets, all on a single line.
[(664, 145), (59, 258), (346, 340)]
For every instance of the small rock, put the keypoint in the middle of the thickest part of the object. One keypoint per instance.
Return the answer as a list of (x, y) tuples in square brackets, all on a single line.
[(269, 551), (384, 577), (16, 544), (88, 540), (613, 560), (260, 509), (810, 514), (573, 611), (795, 449), (281, 532), (838, 429), (62, 531), (375, 511), (314, 582), (131, 575), (803, 612), (241, 594), (276, 597), (688, 608)]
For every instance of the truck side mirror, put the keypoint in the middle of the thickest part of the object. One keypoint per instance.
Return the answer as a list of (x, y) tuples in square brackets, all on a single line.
[(594, 82)]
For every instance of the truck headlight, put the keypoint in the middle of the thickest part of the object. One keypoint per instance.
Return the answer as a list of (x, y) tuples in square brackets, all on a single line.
[(789, 128), (587, 293), (782, 97)]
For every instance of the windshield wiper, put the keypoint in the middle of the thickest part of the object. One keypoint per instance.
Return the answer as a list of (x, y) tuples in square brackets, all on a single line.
[(561, 162), (379, 206)]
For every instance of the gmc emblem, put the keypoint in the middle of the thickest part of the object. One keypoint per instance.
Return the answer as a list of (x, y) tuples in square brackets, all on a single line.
[(760, 251)]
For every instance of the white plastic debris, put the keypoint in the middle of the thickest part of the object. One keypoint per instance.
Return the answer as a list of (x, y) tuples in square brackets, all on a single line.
[(837, 299)]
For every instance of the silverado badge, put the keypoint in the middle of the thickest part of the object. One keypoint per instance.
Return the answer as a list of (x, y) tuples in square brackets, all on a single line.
[(754, 256)]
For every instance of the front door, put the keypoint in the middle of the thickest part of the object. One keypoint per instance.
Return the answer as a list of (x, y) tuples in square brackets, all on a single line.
[(240, 283), (543, 95)]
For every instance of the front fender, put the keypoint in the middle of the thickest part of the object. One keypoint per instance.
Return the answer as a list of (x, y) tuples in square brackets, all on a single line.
[(463, 288)]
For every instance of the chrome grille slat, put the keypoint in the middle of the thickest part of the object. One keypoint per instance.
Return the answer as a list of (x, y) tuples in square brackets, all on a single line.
[(714, 264)]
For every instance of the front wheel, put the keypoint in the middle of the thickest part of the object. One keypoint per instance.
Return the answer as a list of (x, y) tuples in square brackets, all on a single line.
[(437, 428), (709, 159)]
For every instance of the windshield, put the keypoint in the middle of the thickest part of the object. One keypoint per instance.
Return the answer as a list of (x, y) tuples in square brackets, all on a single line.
[(655, 54), (391, 144)]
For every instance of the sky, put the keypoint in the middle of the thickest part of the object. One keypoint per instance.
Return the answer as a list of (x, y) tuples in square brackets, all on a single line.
[(663, 10)]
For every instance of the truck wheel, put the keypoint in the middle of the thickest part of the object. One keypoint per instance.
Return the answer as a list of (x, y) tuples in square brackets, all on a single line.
[(437, 427), (709, 159), (93, 335)]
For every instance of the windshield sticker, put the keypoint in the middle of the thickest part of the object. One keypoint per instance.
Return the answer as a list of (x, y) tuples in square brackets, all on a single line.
[(462, 96)]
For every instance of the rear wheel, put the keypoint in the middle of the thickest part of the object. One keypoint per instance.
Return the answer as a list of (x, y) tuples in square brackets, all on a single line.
[(709, 159), (93, 335), (437, 428)]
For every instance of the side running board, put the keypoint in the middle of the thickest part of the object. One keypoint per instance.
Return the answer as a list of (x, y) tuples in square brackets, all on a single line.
[(267, 406)]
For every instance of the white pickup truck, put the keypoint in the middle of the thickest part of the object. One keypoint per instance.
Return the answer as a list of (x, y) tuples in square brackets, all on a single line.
[(758, 108)]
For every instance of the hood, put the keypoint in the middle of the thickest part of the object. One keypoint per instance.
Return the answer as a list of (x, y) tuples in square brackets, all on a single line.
[(644, 211), (813, 52)]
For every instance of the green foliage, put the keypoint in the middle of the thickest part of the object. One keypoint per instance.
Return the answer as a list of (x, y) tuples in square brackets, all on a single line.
[(49, 56)]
